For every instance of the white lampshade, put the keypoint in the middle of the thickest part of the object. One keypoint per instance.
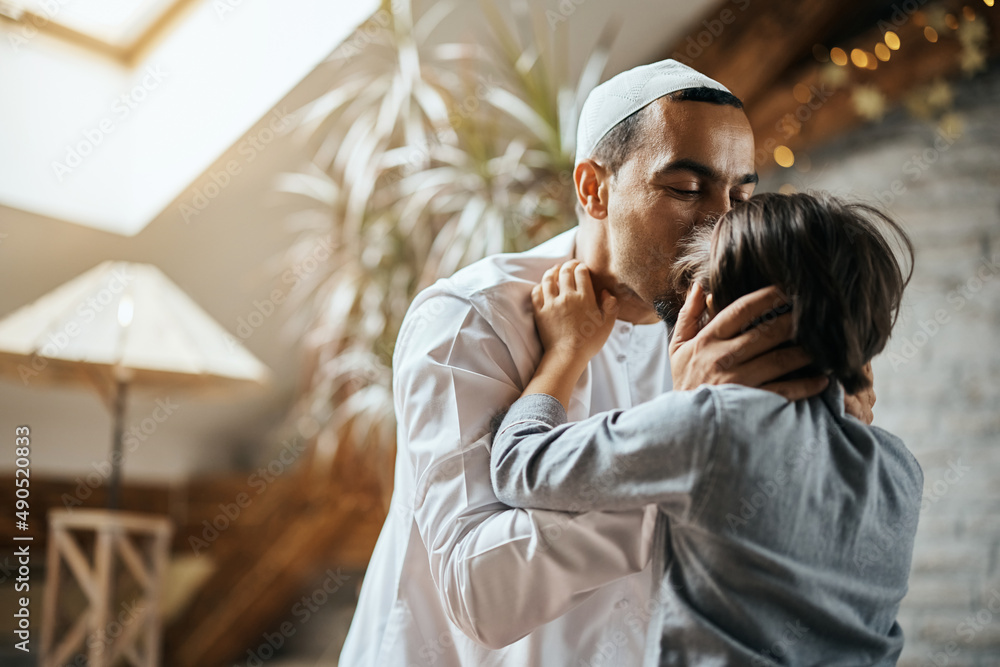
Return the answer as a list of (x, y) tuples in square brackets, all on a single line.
[(122, 321)]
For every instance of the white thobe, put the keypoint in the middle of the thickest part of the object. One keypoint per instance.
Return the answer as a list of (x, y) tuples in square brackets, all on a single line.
[(457, 578)]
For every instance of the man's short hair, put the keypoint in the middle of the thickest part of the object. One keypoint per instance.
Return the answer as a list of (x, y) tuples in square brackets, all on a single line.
[(613, 150), (836, 261)]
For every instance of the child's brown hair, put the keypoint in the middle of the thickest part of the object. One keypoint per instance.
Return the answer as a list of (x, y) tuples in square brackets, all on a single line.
[(834, 260)]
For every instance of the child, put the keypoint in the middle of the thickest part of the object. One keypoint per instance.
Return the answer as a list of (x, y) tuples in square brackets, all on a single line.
[(786, 529)]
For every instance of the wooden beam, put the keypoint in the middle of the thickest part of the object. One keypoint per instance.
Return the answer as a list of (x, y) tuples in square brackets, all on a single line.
[(747, 45), (133, 560), (778, 118), (72, 642), (86, 577)]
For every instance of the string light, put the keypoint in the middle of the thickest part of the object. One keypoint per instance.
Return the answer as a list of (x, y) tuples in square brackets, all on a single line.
[(859, 58), (970, 14), (838, 56), (882, 52), (892, 40), (951, 21), (931, 34), (801, 93), (989, 3), (784, 156)]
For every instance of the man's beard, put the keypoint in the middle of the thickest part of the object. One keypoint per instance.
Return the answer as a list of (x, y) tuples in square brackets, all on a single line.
[(668, 307), (669, 302)]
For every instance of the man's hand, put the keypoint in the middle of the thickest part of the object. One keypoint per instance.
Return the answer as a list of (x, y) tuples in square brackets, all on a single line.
[(860, 405), (726, 351), (570, 322)]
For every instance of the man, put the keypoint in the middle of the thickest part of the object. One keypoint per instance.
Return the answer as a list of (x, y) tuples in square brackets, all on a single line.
[(787, 528), (459, 579)]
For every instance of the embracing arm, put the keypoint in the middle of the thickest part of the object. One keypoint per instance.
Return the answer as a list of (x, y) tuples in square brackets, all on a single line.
[(652, 453), (656, 452)]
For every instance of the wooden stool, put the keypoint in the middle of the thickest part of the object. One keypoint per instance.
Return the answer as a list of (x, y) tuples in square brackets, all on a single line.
[(100, 631)]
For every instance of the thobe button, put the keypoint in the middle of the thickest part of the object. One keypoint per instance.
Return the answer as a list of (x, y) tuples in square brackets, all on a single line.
[(625, 328), (621, 357), (621, 604)]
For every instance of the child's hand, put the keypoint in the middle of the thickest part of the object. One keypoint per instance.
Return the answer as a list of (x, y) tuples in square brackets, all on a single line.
[(571, 324), (860, 405)]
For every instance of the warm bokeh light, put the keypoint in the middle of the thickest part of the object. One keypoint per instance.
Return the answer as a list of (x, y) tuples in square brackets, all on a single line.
[(892, 40), (838, 56), (859, 58), (970, 14), (784, 156), (788, 189), (882, 52), (920, 18), (951, 21), (801, 93), (989, 3), (821, 53), (931, 34)]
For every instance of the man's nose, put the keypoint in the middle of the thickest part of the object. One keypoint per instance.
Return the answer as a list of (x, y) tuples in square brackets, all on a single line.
[(716, 207)]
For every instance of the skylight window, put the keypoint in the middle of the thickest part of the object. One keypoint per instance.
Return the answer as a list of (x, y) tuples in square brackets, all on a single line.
[(134, 129)]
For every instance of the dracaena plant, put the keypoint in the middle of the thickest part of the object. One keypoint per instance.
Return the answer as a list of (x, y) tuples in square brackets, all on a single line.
[(427, 157)]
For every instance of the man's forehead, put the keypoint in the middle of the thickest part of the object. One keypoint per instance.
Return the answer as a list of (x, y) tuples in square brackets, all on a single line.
[(682, 117), (713, 140)]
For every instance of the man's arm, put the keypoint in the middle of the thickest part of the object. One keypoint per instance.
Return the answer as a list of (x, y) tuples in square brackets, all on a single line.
[(500, 572), (657, 452)]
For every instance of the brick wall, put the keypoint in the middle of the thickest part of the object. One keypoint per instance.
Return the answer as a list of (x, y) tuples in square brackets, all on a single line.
[(938, 385)]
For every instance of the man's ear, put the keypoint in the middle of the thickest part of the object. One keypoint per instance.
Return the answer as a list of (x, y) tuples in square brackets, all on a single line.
[(709, 304), (591, 180)]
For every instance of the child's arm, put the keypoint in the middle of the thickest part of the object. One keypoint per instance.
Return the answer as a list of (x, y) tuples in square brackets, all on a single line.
[(615, 460), (656, 452), (572, 325)]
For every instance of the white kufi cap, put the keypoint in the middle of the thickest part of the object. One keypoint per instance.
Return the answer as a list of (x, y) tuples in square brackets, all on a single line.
[(622, 95)]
